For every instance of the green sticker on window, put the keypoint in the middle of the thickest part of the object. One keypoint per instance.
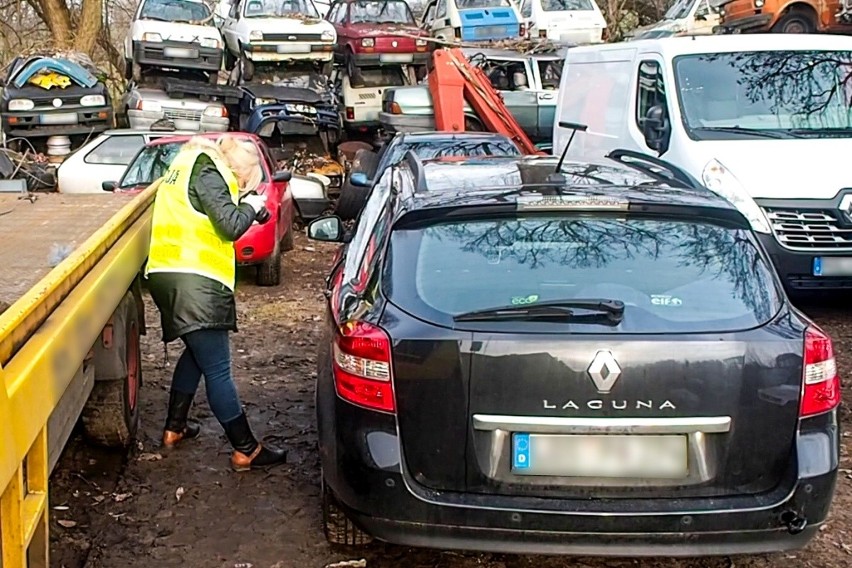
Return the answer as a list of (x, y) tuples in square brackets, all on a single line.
[(521, 300)]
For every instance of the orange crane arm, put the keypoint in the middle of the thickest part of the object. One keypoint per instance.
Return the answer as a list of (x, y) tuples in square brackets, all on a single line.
[(453, 80)]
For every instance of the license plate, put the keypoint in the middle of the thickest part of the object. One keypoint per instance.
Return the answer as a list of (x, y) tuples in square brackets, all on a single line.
[(396, 57), (181, 52), (59, 118), (285, 48), (489, 31), (832, 266), (614, 456)]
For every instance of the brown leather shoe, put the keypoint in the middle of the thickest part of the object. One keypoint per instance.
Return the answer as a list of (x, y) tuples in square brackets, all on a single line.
[(177, 427), (248, 452)]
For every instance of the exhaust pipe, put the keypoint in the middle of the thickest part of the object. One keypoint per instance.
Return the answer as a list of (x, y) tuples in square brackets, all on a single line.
[(794, 523)]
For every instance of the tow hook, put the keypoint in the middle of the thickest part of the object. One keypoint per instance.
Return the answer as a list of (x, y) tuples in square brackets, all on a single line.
[(794, 523)]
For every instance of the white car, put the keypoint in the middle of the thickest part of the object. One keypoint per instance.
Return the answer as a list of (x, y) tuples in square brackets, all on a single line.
[(362, 95), (103, 159), (564, 21), (178, 102), (275, 31), (174, 34)]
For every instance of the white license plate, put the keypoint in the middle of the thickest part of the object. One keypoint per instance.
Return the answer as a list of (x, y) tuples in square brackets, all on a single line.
[(285, 48), (636, 456), (832, 266), (60, 118), (396, 57), (180, 53)]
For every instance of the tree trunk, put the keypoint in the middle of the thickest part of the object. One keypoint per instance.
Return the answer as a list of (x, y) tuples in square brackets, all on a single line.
[(56, 15), (89, 28)]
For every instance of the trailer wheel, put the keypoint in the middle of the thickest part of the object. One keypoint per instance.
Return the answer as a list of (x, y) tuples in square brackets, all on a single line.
[(338, 528), (111, 415), (269, 271)]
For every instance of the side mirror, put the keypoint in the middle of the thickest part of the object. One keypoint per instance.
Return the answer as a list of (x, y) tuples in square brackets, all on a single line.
[(327, 229), (359, 179), (657, 129), (109, 185), (282, 176)]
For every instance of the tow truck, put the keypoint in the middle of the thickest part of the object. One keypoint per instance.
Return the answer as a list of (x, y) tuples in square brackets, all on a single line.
[(71, 315)]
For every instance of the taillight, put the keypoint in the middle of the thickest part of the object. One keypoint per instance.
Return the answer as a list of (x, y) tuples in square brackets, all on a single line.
[(362, 369), (821, 382), (350, 113)]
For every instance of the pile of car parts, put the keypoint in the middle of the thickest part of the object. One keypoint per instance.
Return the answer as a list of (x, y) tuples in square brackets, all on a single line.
[(33, 169)]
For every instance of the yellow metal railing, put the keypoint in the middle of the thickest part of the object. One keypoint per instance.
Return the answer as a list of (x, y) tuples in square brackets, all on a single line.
[(44, 338)]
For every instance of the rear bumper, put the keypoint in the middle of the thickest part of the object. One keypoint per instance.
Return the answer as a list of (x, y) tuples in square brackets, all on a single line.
[(189, 55), (363, 467), (143, 119), (796, 268)]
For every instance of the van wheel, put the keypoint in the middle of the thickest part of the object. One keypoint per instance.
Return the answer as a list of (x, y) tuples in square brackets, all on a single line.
[(473, 124), (269, 271), (111, 415), (796, 22), (338, 528)]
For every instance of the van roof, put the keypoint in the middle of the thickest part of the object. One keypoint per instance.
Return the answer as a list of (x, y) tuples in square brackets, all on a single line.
[(670, 47)]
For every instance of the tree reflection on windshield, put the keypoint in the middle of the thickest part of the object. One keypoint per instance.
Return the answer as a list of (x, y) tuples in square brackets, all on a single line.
[(768, 90)]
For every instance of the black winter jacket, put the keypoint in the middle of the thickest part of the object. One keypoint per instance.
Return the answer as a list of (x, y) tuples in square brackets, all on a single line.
[(189, 302)]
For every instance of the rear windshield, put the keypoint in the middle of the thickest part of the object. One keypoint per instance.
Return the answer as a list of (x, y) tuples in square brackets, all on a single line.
[(673, 276)]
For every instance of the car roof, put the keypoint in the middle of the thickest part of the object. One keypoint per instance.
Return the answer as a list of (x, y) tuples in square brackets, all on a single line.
[(212, 135), (486, 180), (670, 47)]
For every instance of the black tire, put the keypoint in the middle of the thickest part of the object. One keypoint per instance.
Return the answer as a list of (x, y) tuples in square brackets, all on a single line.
[(796, 22), (111, 415), (473, 125), (128, 69), (352, 198), (230, 60), (336, 526), (246, 68), (269, 271), (287, 243)]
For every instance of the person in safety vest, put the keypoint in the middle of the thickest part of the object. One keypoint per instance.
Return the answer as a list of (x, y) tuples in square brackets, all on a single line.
[(205, 202)]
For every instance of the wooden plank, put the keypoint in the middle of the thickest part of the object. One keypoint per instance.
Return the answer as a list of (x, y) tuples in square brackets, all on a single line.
[(32, 233)]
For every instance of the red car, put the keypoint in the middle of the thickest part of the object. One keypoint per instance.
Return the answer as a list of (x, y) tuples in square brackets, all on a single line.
[(262, 245), (374, 32)]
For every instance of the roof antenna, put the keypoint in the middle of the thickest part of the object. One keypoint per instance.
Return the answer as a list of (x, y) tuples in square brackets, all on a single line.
[(556, 175)]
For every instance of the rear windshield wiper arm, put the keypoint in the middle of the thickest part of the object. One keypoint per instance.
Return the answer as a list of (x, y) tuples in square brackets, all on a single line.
[(603, 310)]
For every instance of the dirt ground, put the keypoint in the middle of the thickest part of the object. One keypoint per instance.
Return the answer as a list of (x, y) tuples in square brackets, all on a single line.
[(188, 509)]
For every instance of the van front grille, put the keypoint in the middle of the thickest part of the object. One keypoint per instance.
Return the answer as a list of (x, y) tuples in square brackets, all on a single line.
[(808, 229)]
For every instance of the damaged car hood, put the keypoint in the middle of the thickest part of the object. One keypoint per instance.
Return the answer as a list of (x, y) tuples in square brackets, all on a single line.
[(64, 67)]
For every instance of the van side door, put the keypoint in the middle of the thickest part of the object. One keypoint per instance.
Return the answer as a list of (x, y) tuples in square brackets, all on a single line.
[(651, 125)]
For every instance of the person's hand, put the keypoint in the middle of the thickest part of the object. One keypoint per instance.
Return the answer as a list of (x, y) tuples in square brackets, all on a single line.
[(257, 202)]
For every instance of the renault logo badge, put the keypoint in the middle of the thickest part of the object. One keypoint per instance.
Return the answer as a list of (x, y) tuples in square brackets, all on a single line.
[(604, 371)]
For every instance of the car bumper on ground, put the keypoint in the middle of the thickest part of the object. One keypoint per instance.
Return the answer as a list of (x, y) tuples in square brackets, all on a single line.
[(735, 24), (407, 122), (290, 51), (143, 120), (419, 58), (65, 122), (804, 271), (178, 54), (364, 471)]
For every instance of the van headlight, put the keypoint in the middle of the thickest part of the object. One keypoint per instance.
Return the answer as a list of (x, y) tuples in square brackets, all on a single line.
[(256, 35), (93, 100), (723, 183), (21, 104), (327, 35), (210, 42)]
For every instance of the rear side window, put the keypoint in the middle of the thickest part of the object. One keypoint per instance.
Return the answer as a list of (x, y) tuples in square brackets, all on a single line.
[(673, 276), (116, 150)]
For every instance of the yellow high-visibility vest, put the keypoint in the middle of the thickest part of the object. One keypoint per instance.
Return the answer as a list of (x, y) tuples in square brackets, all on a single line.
[(182, 239)]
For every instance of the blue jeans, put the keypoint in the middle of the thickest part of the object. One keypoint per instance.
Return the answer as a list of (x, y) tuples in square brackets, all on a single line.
[(208, 352)]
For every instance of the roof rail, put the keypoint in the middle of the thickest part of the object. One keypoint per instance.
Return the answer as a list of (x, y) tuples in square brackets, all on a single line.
[(676, 173), (416, 165)]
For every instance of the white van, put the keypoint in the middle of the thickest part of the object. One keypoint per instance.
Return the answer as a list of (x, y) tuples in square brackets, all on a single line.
[(764, 121), (565, 21)]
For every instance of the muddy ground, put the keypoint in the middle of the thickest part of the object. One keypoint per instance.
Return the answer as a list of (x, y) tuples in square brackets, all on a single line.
[(187, 509)]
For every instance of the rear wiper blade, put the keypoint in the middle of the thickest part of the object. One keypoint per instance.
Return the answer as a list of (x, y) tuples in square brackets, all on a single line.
[(747, 131), (611, 311)]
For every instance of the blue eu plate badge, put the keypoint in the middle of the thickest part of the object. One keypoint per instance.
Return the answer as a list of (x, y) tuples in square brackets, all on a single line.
[(521, 451)]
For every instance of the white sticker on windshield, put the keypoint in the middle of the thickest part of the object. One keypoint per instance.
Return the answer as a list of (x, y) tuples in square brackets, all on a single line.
[(665, 300)]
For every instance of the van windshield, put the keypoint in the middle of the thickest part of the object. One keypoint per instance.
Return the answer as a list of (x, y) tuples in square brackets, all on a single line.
[(731, 95)]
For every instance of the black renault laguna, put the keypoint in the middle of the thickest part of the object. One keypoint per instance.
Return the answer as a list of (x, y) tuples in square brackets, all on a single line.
[(585, 358)]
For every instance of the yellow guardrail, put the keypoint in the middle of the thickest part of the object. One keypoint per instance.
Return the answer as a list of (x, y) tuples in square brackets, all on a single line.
[(44, 338)]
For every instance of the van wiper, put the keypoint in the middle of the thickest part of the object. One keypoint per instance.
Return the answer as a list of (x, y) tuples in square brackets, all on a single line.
[(811, 132), (601, 311), (762, 133)]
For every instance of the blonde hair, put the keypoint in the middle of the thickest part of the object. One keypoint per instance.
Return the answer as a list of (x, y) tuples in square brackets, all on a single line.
[(240, 155)]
